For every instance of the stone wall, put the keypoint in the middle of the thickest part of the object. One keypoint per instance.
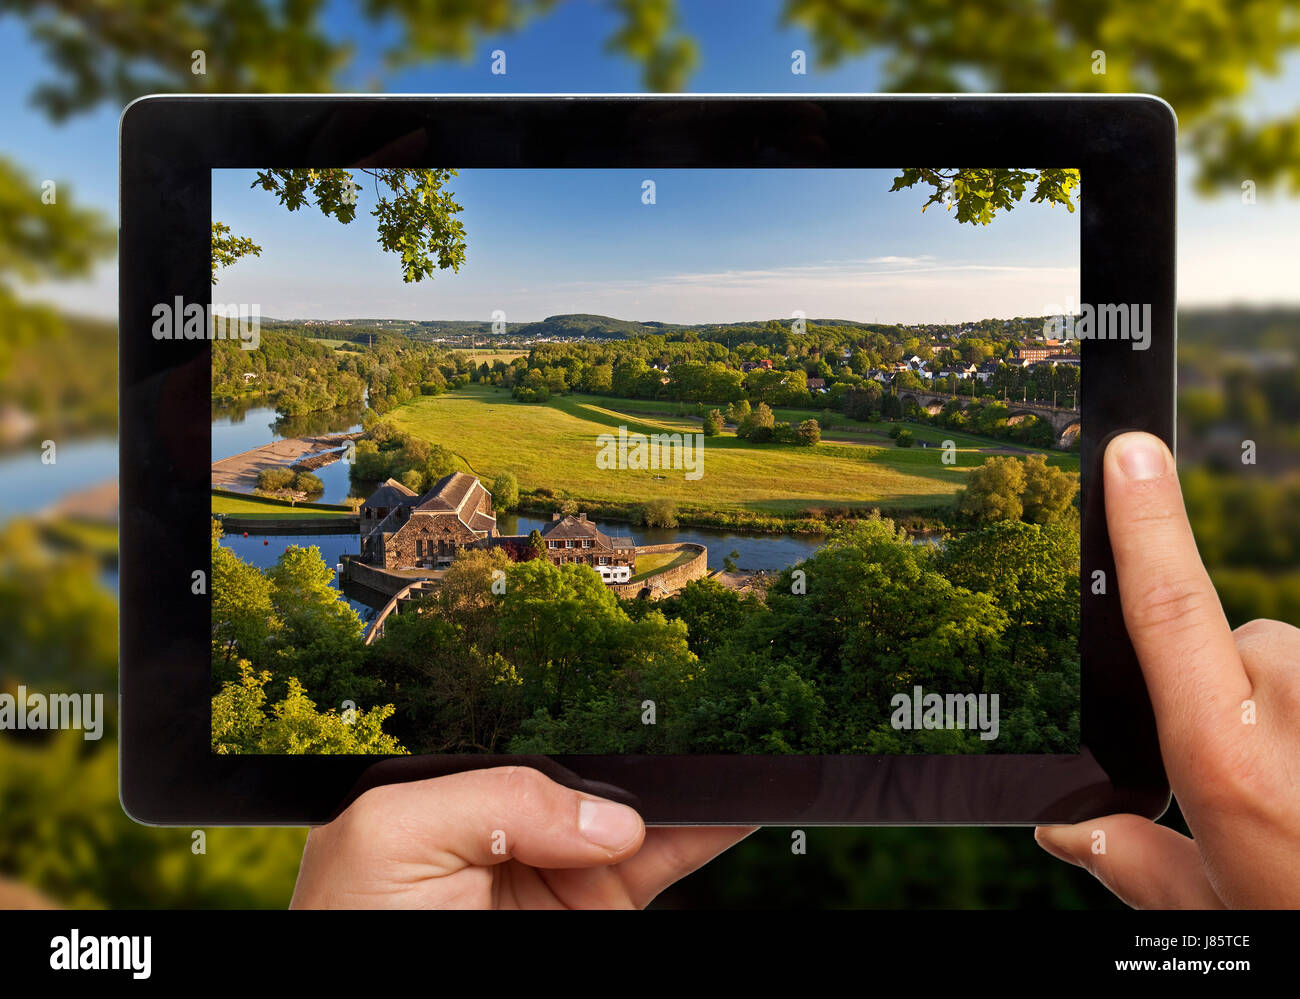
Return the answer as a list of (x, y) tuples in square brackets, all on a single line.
[(401, 552), (375, 578), (232, 523), (670, 580)]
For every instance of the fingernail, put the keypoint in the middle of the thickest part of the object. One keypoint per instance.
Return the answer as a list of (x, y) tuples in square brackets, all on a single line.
[(608, 824), (1043, 837), (1141, 457)]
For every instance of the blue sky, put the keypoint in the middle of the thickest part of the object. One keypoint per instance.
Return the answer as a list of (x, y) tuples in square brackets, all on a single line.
[(1228, 252), (716, 246)]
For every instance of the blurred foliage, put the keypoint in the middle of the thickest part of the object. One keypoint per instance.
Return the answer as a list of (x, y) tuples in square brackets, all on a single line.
[(1202, 58), (64, 379), (113, 51), (888, 868), (44, 236), (62, 829)]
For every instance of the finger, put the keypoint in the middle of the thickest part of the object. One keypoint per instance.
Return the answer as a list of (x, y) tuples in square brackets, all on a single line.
[(672, 852), (1173, 615), (485, 817), (1269, 652), (1145, 865)]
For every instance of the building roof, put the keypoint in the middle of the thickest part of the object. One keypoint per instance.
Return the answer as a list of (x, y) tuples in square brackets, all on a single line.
[(574, 527), (448, 493), (391, 493), (459, 493)]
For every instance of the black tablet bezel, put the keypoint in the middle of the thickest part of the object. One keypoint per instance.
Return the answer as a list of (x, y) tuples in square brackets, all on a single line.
[(1124, 148)]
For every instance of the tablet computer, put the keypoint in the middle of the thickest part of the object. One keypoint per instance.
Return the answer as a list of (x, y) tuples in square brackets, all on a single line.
[(738, 458)]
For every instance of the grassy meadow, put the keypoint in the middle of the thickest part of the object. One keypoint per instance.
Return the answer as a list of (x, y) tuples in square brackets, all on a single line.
[(553, 445), (875, 432), (256, 509)]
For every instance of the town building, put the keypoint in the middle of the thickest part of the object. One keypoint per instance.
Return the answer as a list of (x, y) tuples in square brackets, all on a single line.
[(1039, 351), (574, 540), (400, 530)]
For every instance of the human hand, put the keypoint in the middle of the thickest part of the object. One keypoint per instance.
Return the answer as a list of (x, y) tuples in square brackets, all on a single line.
[(505, 838), (1237, 783)]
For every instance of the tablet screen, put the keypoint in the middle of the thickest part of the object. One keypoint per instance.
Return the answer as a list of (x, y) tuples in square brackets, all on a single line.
[(696, 461)]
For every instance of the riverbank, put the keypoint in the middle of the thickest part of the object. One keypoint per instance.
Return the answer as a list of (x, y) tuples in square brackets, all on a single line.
[(742, 521), (261, 515), (239, 472)]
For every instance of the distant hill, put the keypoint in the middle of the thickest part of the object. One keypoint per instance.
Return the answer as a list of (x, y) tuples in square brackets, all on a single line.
[(1240, 327)]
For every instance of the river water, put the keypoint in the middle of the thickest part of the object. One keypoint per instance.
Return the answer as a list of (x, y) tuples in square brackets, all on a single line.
[(237, 429)]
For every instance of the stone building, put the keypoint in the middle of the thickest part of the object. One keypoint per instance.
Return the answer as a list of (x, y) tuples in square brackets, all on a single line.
[(400, 530), (574, 540)]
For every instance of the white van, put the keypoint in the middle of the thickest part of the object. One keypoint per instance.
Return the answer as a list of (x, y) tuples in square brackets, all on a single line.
[(614, 573)]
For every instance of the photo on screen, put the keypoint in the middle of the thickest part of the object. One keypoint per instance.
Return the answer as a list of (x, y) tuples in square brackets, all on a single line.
[(620, 462)]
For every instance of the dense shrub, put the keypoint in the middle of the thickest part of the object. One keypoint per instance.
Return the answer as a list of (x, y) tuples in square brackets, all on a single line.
[(658, 513), (271, 479)]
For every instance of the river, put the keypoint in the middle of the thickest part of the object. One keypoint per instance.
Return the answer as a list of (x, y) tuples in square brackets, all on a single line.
[(754, 552), (237, 429)]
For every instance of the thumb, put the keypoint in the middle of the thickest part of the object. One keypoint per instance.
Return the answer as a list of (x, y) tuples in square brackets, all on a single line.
[(485, 817), (1145, 865)]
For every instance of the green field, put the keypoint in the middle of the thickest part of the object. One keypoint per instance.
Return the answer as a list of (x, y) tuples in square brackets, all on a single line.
[(256, 509), (553, 445), (492, 356), (876, 432), (648, 565)]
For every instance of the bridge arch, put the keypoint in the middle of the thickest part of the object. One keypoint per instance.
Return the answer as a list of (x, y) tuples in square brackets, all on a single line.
[(1017, 414), (1069, 433)]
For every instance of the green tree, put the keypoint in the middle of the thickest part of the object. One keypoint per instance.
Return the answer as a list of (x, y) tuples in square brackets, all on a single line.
[(451, 693), (242, 613), (241, 724), (1032, 571), (979, 194), (271, 479), (505, 492), (660, 513), (760, 419), (713, 423), (319, 640), (227, 248), (415, 218), (1048, 493), (993, 491)]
